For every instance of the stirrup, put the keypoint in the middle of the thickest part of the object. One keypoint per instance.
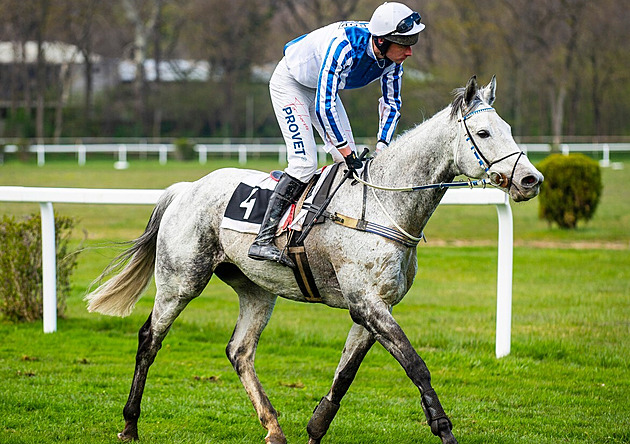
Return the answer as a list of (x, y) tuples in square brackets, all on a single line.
[(269, 252)]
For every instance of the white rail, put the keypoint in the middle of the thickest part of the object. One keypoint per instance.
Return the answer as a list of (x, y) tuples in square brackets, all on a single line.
[(245, 149), (47, 196)]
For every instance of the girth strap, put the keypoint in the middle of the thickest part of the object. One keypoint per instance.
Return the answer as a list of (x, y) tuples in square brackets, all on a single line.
[(302, 271)]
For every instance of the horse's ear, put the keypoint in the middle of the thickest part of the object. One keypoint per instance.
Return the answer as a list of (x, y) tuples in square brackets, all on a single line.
[(488, 92), (471, 91)]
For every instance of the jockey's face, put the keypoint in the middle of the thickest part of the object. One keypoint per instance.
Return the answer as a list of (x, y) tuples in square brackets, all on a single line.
[(398, 53)]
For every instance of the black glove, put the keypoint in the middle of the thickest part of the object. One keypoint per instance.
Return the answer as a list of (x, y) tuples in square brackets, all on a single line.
[(353, 162)]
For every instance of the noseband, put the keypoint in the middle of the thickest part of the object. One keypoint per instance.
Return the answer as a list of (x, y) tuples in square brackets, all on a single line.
[(497, 179)]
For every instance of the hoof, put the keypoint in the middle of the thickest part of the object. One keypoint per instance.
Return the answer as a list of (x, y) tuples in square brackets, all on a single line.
[(126, 437), (275, 439), (313, 441), (449, 439)]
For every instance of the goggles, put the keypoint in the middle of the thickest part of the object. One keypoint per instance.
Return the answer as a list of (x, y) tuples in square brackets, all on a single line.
[(406, 24)]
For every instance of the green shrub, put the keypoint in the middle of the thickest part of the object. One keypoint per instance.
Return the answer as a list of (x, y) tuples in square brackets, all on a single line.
[(184, 149), (21, 266), (571, 191)]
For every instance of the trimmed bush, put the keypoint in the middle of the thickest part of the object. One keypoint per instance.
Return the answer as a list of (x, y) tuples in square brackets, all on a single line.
[(21, 266), (571, 191)]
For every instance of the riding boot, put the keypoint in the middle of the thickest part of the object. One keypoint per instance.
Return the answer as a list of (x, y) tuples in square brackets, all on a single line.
[(286, 193)]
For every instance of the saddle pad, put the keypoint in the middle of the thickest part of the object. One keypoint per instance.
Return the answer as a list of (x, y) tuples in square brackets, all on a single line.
[(247, 206)]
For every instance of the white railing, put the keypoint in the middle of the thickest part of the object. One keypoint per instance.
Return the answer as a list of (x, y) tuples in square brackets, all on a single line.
[(47, 196), (120, 150), (243, 150)]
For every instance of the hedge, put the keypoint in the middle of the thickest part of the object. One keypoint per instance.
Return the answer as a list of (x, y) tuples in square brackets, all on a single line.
[(571, 191), (21, 266)]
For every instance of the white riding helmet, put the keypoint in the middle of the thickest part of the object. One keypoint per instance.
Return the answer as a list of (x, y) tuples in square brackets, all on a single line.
[(397, 23)]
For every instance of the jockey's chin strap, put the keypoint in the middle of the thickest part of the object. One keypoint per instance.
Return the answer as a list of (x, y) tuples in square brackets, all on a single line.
[(496, 179)]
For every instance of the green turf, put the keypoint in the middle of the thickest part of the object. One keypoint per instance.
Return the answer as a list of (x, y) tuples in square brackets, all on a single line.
[(566, 380)]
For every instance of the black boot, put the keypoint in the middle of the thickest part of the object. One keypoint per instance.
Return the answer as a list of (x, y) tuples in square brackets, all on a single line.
[(286, 193)]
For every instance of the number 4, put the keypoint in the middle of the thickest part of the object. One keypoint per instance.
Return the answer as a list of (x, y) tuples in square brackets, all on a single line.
[(248, 204)]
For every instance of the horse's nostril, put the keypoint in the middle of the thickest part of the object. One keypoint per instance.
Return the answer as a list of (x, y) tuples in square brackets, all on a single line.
[(529, 181)]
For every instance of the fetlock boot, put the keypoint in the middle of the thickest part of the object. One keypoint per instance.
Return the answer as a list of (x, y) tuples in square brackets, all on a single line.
[(285, 194)]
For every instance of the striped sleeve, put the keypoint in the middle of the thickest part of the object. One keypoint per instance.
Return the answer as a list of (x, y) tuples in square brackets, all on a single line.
[(337, 57), (390, 103)]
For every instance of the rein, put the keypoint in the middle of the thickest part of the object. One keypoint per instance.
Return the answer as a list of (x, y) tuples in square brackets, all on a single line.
[(494, 179)]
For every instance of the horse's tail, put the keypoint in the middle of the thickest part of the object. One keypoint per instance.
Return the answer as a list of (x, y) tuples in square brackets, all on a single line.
[(119, 295)]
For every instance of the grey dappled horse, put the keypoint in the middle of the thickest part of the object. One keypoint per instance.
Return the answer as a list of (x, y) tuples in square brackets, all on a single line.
[(184, 246)]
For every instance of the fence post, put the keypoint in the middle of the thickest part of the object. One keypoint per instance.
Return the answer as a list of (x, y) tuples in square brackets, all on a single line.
[(41, 155), (504, 279), (242, 154), (203, 154), (605, 162), (49, 267), (122, 158), (282, 156), (163, 154), (81, 153)]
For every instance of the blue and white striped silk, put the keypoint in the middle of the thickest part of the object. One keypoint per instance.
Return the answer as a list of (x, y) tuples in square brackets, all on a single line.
[(340, 56)]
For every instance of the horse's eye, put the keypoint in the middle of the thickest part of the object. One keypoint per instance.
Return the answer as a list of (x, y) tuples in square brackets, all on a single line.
[(483, 134)]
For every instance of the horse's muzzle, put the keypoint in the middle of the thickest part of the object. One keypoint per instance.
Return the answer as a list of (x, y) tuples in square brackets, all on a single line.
[(526, 187)]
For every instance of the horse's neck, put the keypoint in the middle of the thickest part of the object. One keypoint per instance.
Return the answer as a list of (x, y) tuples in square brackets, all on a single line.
[(422, 155)]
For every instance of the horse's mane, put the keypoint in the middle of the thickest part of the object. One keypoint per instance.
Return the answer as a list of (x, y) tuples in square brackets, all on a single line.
[(458, 102)]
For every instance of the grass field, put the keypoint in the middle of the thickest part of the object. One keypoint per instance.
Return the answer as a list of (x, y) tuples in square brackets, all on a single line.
[(566, 380)]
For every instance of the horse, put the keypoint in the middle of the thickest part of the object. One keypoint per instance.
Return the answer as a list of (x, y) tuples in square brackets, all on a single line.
[(367, 274)]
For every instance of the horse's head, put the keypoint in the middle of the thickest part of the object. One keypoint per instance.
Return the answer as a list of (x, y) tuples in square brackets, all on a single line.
[(485, 146)]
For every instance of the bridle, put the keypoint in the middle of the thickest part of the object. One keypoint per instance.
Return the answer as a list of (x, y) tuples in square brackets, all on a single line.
[(496, 179)]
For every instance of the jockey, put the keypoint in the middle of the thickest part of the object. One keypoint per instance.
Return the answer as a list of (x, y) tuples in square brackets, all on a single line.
[(304, 92)]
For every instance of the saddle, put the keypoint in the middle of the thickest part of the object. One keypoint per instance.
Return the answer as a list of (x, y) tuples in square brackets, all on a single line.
[(246, 209), (247, 206)]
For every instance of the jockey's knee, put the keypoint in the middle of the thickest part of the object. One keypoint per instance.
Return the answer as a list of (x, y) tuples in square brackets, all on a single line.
[(302, 172)]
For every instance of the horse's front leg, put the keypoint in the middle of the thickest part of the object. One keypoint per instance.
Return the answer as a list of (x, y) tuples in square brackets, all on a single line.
[(372, 312), (255, 310), (358, 343)]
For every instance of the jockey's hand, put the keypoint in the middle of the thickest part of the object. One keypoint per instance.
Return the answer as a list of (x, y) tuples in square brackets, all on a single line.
[(380, 146), (353, 162)]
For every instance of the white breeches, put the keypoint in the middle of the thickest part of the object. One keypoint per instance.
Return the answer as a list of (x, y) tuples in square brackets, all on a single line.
[(294, 105)]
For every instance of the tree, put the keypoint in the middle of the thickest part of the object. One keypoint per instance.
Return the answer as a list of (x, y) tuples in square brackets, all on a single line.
[(19, 26), (232, 37), (81, 17), (311, 14), (143, 15)]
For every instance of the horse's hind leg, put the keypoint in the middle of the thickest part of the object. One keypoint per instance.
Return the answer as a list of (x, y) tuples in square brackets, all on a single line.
[(150, 338), (144, 358), (256, 306), (358, 343)]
